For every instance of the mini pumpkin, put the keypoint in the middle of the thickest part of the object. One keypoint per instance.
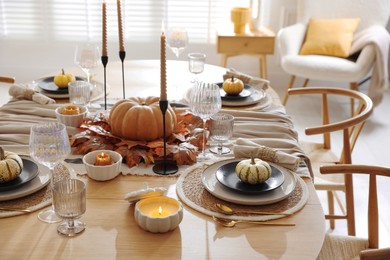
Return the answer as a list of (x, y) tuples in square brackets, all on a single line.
[(253, 171), (11, 166), (233, 86), (62, 80), (139, 118)]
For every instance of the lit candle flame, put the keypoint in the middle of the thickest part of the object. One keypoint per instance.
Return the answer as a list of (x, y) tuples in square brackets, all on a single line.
[(160, 211)]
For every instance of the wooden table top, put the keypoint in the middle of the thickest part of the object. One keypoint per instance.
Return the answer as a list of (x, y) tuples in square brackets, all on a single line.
[(112, 233)]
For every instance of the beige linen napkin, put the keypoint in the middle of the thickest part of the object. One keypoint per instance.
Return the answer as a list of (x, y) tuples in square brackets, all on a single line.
[(252, 81), (17, 117), (19, 91), (245, 148)]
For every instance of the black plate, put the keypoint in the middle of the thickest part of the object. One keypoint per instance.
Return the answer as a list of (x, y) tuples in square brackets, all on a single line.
[(246, 92), (227, 176), (30, 171), (48, 85)]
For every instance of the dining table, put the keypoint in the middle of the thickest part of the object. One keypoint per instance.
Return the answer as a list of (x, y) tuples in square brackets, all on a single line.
[(111, 230)]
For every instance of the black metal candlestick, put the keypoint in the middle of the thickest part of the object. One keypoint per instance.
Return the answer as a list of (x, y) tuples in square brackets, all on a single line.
[(105, 61), (122, 56), (165, 167)]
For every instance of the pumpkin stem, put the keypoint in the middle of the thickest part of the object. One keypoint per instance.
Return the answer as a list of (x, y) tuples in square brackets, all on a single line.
[(252, 159), (1, 154), (232, 79), (63, 72)]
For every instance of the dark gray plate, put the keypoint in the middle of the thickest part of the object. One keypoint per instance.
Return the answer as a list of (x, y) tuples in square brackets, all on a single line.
[(246, 92), (47, 84), (227, 176), (30, 171)]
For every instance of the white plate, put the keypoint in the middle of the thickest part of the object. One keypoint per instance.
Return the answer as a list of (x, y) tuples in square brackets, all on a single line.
[(256, 97), (212, 185), (34, 185)]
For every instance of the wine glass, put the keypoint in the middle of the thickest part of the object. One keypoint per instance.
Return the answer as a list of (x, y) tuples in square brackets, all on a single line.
[(177, 40), (87, 56), (69, 204), (221, 130), (205, 101), (196, 61), (49, 145)]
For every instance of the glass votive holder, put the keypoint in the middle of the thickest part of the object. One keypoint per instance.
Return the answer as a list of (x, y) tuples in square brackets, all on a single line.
[(158, 214)]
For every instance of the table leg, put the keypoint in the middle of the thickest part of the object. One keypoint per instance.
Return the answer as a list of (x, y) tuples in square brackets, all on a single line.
[(224, 60), (263, 66)]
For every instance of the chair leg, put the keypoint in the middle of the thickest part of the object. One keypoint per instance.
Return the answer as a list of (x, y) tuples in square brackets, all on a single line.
[(353, 86), (331, 208), (290, 85), (305, 83)]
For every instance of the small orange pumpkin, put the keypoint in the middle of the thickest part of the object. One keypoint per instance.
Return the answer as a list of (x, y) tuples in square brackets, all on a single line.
[(137, 118)]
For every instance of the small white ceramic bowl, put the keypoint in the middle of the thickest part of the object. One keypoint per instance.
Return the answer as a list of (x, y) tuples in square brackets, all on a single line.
[(71, 120), (106, 172)]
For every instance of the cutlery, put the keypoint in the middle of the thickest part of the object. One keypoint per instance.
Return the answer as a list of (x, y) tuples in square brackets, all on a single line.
[(224, 209), (232, 223), (74, 160), (16, 209)]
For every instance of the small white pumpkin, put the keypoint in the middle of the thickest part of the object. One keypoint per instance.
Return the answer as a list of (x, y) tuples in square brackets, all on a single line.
[(11, 165), (253, 171)]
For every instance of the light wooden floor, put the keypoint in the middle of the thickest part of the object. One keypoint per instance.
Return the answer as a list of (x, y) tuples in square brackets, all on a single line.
[(372, 148)]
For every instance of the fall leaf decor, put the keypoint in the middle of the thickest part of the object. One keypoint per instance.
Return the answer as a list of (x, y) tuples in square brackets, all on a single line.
[(182, 144)]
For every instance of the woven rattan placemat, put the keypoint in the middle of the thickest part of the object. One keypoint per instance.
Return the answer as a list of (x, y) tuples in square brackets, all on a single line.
[(191, 191), (34, 201)]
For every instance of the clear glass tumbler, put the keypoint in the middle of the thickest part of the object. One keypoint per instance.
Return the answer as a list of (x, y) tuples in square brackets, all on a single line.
[(80, 92), (196, 61)]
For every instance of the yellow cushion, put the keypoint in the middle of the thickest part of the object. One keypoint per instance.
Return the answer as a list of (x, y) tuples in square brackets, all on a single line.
[(331, 37)]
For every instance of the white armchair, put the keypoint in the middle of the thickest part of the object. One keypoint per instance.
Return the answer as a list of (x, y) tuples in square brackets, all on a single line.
[(370, 46)]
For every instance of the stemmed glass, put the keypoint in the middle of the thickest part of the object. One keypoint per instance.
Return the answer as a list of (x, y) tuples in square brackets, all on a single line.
[(221, 130), (177, 40), (196, 61), (69, 204), (87, 56), (205, 101), (49, 145)]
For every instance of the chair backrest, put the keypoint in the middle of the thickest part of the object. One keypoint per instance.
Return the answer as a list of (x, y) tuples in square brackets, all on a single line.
[(372, 171), (7, 79), (350, 127), (371, 12)]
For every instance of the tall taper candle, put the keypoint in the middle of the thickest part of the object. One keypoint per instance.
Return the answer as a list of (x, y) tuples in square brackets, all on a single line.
[(104, 29), (120, 27), (163, 94)]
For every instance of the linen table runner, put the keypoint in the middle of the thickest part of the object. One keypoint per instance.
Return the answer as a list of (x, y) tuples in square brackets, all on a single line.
[(270, 128)]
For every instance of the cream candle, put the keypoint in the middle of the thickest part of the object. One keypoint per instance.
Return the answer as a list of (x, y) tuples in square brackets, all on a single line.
[(120, 26), (163, 83), (103, 159), (104, 29), (158, 214)]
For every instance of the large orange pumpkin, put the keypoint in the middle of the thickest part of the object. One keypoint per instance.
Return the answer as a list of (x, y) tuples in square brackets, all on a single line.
[(138, 118)]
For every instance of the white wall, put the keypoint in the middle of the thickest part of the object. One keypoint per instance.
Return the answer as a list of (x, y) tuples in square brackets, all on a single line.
[(30, 60)]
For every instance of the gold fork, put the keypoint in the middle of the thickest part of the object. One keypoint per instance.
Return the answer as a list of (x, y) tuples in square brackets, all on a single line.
[(15, 209)]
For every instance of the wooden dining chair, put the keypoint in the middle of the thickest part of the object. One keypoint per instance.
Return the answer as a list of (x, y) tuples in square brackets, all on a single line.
[(350, 247), (6, 79), (321, 153)]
